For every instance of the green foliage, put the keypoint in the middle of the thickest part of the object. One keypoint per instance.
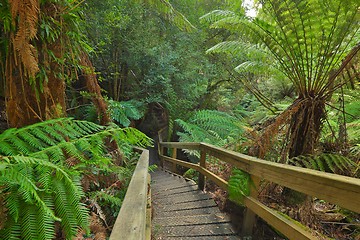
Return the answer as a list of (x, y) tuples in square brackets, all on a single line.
[(239, 185), (166, 10), (324, 162), (352, 110), (191, 174), (38, 193), (310, 42), (125, 111), (41, 171), (210, 126)]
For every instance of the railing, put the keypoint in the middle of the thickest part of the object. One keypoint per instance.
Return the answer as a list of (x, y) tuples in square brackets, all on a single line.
[(133, 221), (341, 190)]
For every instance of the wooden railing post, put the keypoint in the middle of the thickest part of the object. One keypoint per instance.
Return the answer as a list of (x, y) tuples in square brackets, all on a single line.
[(202, 164), (250, 216), (161, 152), (174, 155)]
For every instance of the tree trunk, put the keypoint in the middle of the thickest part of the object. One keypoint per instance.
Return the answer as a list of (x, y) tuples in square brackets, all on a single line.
[(305, 126), (94, 88)]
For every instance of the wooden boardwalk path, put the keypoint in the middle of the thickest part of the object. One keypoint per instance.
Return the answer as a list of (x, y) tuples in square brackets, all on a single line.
[(181, 211)]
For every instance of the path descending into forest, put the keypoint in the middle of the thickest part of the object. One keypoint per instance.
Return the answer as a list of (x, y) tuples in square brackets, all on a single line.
[(182, 211)]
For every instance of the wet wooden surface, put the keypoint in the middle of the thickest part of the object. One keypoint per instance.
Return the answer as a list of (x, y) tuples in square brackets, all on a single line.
[(181, 211)]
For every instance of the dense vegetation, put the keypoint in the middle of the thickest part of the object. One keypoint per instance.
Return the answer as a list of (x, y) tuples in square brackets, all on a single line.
[(76, 76)]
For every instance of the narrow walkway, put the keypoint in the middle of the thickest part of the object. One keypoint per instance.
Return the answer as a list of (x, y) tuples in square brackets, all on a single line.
[(181, 211)]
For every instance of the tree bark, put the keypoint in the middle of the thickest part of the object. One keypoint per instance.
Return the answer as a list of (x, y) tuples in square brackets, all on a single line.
[(94, 88)]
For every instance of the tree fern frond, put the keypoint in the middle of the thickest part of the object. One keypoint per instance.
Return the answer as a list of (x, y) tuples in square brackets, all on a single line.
[(45, 224), (239, 185), (7, 149), (107, 198), (28, 223), (63, 209), (325, 162), (216, 15), (125, 111), (42, 181)]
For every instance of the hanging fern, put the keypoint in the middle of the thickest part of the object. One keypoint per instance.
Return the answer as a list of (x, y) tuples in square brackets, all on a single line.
[(41, 169), (325, 162), (239, 185)]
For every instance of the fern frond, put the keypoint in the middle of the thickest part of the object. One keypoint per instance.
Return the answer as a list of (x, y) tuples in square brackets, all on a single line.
[(239, 185), (39, 180), (216, 15), (325, 162), (107, 199), (64, 209), (125, 111), (210, 126)]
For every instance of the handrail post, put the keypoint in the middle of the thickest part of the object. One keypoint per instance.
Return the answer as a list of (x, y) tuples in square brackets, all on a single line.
[(203, 165), (250, 216), (161, 152), (174, 155)]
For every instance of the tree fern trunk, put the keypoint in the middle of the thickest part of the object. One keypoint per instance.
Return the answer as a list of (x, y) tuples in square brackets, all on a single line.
[(305, 126)]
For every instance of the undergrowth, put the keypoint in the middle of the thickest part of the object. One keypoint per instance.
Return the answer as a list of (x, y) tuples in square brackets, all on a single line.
[(46, 167)]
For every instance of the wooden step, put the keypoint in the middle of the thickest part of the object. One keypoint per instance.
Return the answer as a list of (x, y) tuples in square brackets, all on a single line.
[(197, 230), (198, 219), (182, 211)]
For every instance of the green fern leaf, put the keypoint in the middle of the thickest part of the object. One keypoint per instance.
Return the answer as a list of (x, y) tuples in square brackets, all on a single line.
[(239, 185)]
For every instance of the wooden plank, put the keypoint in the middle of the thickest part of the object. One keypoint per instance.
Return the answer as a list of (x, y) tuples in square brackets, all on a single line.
[(288, 227), (219, 237), (188, 212), (174, 187), (196, 196), (213, 177), (198, 219), (219, 181), (179, 162), (341, 190), (198, 230), (191, 205), (176, 190), (148, 211), (181, 145), (131, 221)]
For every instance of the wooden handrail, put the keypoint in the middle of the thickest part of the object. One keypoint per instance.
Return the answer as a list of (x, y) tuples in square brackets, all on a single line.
[(131, 221), (341, 190)]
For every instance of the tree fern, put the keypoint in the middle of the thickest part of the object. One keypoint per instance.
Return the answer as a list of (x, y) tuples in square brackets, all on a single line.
[(325, 162), (210, 126), (40, 173), (125, 111), (310, 42)]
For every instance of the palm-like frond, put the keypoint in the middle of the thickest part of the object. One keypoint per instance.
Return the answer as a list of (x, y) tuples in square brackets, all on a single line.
[(324, 162), (210, 126), (125, 111), (30, 198), (41, 173), (311, 43), (308, 38)]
